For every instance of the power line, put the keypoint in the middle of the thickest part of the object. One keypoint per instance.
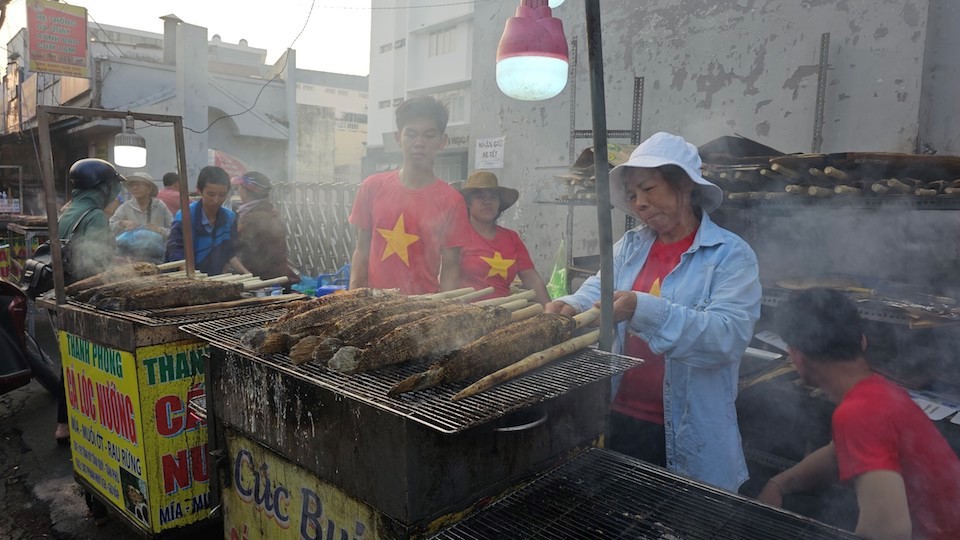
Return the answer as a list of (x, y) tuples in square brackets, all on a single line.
[(286, 57), (119, 50)]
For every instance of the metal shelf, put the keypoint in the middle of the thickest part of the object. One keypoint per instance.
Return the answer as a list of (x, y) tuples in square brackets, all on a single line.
[(853, 202), (873, 310)]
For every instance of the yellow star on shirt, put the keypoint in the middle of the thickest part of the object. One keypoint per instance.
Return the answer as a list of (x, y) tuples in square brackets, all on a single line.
[(655, 288), (498, 265), (398, 240)]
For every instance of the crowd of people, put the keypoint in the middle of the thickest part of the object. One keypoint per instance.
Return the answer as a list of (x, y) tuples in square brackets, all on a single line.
[(687, 297)]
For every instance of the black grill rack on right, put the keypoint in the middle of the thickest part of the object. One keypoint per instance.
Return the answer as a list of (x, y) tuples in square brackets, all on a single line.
[(603, 494)]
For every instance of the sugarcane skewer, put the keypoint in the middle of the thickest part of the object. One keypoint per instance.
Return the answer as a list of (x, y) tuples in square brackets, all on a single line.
[(528, 364)]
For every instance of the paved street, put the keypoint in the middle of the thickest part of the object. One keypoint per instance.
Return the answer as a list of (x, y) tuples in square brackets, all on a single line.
[(37, 490)]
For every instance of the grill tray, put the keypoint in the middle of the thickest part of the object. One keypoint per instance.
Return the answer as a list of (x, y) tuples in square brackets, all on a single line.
[(432, 408), (149, 317), (603, 494)]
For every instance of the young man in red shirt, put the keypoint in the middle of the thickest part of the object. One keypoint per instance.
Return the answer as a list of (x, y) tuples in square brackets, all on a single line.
[(410, 224), (906, 476)]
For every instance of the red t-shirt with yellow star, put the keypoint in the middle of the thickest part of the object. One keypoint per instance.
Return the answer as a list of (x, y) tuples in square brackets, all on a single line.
[(408, 229), (641, 392), (493, 263)]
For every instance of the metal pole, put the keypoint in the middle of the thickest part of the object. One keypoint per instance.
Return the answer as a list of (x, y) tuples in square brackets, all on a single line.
[(46, 176), (186, 220), (601, 169)]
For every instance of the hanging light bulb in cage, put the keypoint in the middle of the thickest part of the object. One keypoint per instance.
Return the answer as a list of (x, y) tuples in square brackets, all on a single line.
[(129, 148)]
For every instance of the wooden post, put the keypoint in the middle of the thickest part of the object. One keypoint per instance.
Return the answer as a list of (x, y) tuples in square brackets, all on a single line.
[(186, 220), (50, 194)]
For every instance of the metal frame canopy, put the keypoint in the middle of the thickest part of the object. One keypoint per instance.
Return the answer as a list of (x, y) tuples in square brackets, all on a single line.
[(44, 112)]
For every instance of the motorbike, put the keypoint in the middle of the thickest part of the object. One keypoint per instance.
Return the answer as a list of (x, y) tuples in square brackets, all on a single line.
[(21, 358)]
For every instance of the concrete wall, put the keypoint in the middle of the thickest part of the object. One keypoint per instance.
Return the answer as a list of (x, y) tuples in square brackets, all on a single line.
[(711, 68), (941, 80), (317, 143)]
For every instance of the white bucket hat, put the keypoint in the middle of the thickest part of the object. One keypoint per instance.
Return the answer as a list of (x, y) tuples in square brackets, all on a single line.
[(665, 149)]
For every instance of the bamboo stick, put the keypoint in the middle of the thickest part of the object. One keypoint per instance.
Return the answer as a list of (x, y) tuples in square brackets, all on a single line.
[(846, 190), (816, 191), (171, 265), (795, 189), (447, 295), (587, 317), (816, 172), (249, 286), (836, 173), (469, 297), (925, 192), (789, 173), (529, 363), (231, 277), (526, 313), (525, 295), (515, 305)]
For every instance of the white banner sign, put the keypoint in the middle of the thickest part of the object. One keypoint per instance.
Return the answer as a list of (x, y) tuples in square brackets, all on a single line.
[(489, 153)]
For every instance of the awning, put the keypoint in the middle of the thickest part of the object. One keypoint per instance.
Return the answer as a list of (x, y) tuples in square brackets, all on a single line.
[(230, 163)]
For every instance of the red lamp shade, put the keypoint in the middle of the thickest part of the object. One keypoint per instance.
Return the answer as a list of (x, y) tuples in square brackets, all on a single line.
[(532, 59)]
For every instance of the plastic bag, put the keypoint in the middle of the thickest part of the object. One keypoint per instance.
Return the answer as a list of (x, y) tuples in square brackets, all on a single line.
[(557, 286), (141, 243)]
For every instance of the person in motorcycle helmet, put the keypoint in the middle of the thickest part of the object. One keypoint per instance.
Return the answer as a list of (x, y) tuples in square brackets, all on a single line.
[(96, 184)]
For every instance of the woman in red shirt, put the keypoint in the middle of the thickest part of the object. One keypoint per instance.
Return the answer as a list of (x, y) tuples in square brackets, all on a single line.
[(494, 256)]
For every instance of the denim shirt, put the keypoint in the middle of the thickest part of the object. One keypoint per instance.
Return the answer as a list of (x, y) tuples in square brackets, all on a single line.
[(701, 323)]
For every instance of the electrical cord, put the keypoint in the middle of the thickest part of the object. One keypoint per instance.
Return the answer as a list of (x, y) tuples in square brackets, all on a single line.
[(286, 57)]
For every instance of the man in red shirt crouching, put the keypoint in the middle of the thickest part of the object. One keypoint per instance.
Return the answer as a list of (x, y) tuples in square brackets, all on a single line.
[(906, 476)]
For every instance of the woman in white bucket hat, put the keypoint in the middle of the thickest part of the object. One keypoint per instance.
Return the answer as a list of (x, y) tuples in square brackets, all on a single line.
[(687, 295)]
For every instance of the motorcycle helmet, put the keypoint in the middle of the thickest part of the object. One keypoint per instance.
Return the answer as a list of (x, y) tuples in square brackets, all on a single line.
[(91, 172)]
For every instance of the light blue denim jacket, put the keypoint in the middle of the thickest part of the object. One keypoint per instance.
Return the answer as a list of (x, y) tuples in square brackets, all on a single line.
[(701, 323)]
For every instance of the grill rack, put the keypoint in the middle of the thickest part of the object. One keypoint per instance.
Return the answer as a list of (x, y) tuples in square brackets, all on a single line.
[(433, 407), (147, 317), (603, 494)]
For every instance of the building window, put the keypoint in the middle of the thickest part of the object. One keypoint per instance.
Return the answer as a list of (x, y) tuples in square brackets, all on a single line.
[(397, 101), (387, 47), (400, 43), (330, 90), (384, 104), (342, 92), (441, 42), (354, 117), (455, 101)]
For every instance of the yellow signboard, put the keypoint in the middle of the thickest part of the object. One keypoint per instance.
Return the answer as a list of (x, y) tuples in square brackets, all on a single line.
[(169, 375), (133, 438), (106, 433), (269, 497)]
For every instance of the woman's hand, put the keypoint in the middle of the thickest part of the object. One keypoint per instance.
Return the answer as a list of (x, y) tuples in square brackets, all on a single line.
[(771, 494), (624, 305), (129, 224), (559, 307)]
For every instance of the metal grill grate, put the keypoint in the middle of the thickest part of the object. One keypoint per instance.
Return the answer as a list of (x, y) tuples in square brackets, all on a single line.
[(432, 408), (149, 318), (602, 494)]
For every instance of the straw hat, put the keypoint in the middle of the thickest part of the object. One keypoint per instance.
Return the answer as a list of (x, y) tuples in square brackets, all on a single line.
[(487, 180), (665, 149)]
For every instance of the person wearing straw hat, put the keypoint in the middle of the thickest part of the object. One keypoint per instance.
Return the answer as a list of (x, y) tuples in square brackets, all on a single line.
[(494, 255), (687, 295), (143, 209)]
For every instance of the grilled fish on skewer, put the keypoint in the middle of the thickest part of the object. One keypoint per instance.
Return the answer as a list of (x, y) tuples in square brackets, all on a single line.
[(432, 336), (275, 336), (537, 334), (499, 349), (118, 273), (172, 293)]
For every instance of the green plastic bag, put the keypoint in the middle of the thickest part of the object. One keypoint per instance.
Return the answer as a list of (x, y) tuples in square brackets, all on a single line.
[(557, 286)]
